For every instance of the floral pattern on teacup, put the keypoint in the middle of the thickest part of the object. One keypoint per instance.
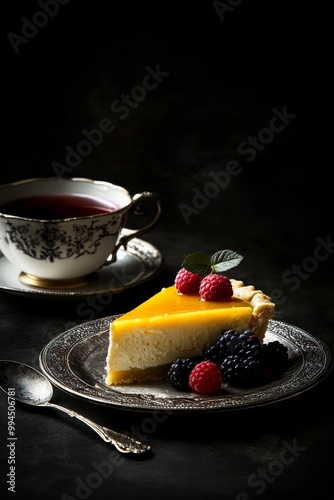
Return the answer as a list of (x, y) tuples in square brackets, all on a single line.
[(53, 242)]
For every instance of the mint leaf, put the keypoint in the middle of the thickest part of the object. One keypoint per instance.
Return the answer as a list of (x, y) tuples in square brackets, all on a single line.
[(202, 264), (225, 259), (198, 263)]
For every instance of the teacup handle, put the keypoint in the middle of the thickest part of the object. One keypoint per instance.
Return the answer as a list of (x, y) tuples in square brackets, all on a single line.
[(132, 233)]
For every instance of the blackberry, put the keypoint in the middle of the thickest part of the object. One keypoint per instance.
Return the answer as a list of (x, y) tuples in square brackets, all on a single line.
[(253, 372), (249, 338), (232, 342), (242, 372), (179, 371), (248, 344), (275, 357), (215, 354), (224, 347), (252, 363), (227, 341), (278, 353), (245, 335), (232, 369)]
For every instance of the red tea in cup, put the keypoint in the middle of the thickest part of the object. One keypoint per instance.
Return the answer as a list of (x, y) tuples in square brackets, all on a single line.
[(58, 206)]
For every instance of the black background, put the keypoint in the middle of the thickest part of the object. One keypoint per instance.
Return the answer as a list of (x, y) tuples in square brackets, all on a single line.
[(225, 78)]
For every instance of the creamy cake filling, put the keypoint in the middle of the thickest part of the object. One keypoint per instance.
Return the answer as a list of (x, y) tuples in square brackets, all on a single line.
[(144, 341)]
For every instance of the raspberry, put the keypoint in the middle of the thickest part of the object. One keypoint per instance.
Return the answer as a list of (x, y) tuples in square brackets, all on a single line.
[(215, 287), (205, 378), (187, 282)]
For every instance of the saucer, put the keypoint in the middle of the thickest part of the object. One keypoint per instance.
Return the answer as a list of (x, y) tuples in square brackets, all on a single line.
[(140, 262)]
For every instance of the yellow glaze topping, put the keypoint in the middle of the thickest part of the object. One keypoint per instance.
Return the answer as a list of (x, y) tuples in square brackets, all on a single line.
[(165, 327)]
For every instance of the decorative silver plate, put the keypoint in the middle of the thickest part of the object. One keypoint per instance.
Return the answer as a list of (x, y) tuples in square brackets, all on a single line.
[(75, 362), (140, 262)]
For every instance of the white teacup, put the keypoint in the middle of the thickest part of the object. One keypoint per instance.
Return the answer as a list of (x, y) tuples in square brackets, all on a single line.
[(55, 229)]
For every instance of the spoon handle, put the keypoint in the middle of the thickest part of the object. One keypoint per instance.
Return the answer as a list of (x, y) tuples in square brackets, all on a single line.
[(122, 442)]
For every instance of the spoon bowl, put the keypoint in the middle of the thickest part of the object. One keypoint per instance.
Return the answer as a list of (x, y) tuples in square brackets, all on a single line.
[(33, 388)]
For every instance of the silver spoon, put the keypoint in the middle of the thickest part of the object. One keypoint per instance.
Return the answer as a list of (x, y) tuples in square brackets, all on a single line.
[(32, 387)]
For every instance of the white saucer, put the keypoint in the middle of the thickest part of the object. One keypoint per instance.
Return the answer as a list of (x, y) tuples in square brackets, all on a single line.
[(139, 263)]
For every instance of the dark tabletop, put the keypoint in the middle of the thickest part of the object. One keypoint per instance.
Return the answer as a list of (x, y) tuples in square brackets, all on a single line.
[(235, 86)]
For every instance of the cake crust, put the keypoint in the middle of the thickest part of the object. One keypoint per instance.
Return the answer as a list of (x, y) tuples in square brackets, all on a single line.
[(262, 305)]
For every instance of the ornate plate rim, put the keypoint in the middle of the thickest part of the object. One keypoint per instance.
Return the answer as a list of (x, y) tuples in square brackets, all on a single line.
[(314, 365)]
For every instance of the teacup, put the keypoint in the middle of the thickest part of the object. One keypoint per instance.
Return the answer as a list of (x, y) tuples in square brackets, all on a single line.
[(58, 232)]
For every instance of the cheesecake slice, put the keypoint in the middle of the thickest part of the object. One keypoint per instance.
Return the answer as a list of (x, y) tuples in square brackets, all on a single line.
[(145, 341)]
